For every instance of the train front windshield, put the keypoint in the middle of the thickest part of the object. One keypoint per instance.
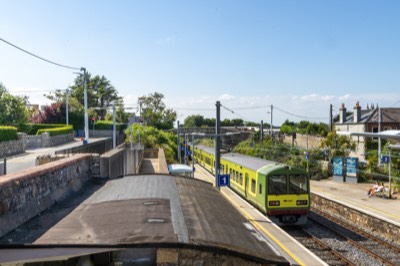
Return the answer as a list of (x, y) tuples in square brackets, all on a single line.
[(277, 184), (298, 184)]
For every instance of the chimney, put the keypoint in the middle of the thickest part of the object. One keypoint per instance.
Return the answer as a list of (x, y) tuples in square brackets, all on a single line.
[(342, 114), (357, 113)]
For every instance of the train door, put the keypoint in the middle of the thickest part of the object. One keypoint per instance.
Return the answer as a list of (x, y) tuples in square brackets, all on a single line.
[(246, 183)]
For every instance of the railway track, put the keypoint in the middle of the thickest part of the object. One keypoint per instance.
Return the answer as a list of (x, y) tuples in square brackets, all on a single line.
[(380, 250), (318, 247), (338, 243)]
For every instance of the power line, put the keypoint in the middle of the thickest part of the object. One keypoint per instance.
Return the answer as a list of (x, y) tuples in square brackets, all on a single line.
[(39, 57), (299, 116), (233, 112)]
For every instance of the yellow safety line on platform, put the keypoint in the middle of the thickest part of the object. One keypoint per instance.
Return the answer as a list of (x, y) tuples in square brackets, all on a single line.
[(259, 227), (357, 203)]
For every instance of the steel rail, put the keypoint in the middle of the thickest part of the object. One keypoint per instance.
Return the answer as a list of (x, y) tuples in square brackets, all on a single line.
[(359, 232)]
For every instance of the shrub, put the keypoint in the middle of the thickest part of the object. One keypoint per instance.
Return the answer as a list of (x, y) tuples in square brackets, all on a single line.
[(8, 133), (32, 129), (56, 131), (107, 125)]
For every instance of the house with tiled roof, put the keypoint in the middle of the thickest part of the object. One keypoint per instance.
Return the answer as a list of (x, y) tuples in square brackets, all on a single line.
[(374, 119)]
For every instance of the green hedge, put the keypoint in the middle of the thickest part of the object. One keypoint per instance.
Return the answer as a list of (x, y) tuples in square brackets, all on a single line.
[(32, 129), (56, 131), (106, 125), (8, 133)]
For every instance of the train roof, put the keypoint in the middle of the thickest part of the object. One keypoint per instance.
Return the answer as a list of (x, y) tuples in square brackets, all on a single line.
[(252, 163), (160, 210)]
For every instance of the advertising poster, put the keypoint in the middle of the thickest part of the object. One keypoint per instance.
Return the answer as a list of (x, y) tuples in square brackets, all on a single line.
[(351, 166), (337, 166)]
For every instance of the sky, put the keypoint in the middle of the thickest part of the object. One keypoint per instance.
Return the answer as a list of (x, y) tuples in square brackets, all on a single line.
[(298, 56)]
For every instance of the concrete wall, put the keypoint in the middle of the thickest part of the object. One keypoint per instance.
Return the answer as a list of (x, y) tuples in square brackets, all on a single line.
[(162, 162), (101, 133), (133, 159), (360, 149), (112, 164), (29, 192), (122, 161)]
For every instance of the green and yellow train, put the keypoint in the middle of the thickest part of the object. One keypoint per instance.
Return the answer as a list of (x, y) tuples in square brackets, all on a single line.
[(278, 190)]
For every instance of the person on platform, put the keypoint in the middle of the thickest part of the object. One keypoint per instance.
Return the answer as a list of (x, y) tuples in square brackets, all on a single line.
[(377, 188)]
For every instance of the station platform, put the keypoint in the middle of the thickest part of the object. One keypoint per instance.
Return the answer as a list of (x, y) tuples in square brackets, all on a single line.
[(355, 196), (278, 239)]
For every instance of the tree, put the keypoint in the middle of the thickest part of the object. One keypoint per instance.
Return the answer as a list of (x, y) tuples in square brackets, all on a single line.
[(51, 114), (13, 109), (155, 113), (338, 145), (100, 93), (193, 121)]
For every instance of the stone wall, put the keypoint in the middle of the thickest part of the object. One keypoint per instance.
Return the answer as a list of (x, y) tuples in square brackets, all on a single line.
[(363, 220), (12, 147), (301, 141), (29, 192), (24, 142)]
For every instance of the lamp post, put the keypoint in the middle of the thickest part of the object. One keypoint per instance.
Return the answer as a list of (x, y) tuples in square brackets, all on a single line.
[(66, 107), (86, 117), (114, 127)]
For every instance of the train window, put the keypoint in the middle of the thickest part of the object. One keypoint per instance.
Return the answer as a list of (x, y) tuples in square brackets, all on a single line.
[(253, 185), (241, 179), (236, 176), (260, 189), (222, 168), (277, 184), (298, 184)]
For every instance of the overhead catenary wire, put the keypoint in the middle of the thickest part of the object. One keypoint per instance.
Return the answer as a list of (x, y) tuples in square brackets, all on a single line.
[(39, 57), (299, 116)]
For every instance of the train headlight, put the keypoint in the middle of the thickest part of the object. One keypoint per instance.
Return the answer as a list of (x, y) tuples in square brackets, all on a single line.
[(301, 202), (274, 203)]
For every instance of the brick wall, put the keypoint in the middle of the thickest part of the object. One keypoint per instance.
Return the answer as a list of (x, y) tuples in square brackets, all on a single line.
[(27, 193)]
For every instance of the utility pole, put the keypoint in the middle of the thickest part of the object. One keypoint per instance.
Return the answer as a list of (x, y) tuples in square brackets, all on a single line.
[(217, 143), (262, 131), (66, 107), (86, 117), (193, 154), (179, 144), (114, 129), (331, 116), (379, 139), (272, 108), (185, 155)]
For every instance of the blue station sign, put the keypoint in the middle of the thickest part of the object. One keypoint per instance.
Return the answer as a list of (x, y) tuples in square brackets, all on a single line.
[(224, 180)]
